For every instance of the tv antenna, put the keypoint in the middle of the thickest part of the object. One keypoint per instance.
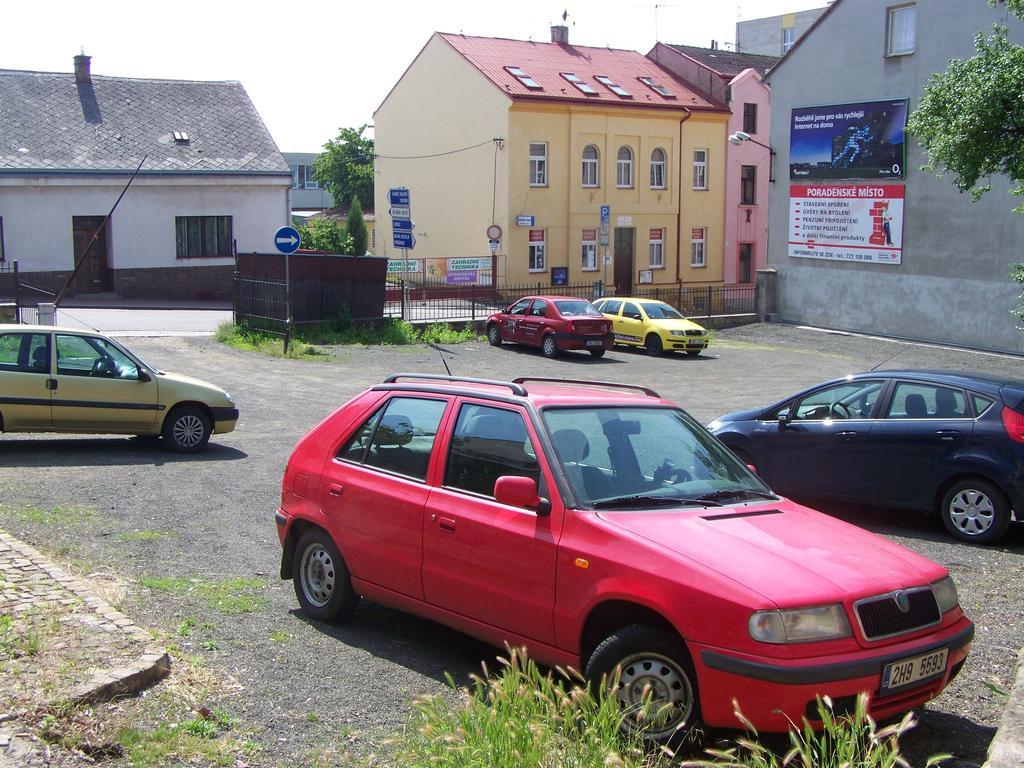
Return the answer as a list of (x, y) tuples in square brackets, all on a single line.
[(655, 7)]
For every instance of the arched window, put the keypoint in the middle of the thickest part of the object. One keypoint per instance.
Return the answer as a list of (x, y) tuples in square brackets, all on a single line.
[(624, 168), (591, 175), (658, 169)]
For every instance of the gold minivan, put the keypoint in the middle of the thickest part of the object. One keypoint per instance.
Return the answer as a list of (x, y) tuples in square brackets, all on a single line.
[(65, 380)]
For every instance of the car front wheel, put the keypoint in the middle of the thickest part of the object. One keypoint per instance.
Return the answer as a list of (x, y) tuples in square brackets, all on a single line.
[(653, 344), (321, 578), (186, 429), (975, 510), (548, 346), (649, 671), (494, 335)]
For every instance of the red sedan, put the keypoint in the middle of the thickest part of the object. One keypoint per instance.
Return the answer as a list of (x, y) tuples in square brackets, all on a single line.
[(603, 528), (553, 323)]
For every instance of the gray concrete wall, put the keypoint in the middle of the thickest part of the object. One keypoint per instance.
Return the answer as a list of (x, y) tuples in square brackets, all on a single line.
[(953, 285), (765, 35)]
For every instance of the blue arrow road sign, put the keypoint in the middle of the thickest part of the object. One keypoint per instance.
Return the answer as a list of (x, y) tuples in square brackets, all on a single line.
[(287, 239), (403, 239), (398, 196), (402, 225)]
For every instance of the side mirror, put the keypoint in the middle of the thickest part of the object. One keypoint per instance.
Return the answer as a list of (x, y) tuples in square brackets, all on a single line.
[(783, 420), (752, 468), (144, 377), (520, 492), (636, 316)]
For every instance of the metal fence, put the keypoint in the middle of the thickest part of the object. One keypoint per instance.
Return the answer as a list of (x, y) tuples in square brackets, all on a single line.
[(419, 302), (24, 296), (260, 304)]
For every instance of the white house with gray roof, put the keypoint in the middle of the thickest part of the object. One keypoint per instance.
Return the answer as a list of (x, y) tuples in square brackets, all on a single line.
[(212, 182)]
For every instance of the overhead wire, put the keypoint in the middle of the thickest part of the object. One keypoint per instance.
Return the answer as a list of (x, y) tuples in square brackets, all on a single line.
[(436, 154)]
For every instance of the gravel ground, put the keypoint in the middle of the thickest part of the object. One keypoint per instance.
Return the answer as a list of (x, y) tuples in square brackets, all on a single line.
[(305, 688)]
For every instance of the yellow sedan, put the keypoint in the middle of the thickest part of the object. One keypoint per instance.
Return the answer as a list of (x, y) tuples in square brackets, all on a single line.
[(654, 325), (64, 380)]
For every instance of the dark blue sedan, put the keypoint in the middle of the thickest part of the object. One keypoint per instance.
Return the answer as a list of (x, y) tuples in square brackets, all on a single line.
[(952, 443)]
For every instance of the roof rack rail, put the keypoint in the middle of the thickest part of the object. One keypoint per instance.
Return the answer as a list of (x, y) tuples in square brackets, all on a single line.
[(516, 388), (646, 390)]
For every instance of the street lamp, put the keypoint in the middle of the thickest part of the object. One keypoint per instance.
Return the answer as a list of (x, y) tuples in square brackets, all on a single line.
[(741, 136)]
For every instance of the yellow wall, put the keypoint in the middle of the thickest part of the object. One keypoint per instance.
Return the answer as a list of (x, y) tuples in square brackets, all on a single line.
[(564, 208), (441, 104), (704, 208)]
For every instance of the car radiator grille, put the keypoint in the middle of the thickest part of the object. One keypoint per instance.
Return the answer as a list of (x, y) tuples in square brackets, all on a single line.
[(694, 332), (881, 616)]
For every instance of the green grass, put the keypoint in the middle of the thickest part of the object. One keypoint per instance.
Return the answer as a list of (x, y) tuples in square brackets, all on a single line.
[(307, 342), (844, 741), (48, 515), (228, 596), (29, 641), (518, 718)]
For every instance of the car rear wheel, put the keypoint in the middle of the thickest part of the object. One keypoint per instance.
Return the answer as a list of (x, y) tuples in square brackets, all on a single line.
[(548, 346), (321, 579), (494, 335), (186, 429), (597, 353), (653, 344), (975, 510), (649, 671)]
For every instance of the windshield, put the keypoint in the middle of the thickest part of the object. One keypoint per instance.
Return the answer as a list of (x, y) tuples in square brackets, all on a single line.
[(662, 312), (642, 457), (568, 308)]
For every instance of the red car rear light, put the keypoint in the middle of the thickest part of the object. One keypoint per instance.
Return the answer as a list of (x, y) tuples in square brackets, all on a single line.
[(1013, 423)]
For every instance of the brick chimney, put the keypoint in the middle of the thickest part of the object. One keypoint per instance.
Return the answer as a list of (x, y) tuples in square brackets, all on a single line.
[(82, 74), (560, 34)]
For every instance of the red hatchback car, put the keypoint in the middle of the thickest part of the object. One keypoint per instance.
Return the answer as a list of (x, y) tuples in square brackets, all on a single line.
[(553, 323), (604, 529)]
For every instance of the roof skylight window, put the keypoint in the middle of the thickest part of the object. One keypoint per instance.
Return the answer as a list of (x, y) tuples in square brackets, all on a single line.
[(524, 78), (612, 86), (180, 136), (657, 87), (583, 86)]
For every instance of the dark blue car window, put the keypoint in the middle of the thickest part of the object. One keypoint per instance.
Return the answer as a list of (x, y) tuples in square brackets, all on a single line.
[(849, 400), (981, 404), (926, 401)]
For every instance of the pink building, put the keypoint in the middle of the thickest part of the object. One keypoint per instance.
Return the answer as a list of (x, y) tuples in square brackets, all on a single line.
[(736, 79)]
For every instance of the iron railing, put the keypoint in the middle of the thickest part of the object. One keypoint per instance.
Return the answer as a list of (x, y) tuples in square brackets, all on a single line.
[(24, 296)]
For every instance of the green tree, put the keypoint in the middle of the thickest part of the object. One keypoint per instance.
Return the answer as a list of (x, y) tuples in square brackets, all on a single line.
[(323, 234), (356, 227), (970, 119), (345, 168)]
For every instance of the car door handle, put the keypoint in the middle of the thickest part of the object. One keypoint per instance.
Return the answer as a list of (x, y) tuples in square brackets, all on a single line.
[(847, 435), (947, 434), (446, 524), (51, 384), (335, 489)]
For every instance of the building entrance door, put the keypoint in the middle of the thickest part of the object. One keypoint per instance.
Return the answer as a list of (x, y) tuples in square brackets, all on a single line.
[(624, 237), (94, 276)]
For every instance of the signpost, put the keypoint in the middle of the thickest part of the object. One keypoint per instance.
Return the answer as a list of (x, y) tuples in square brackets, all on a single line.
[(287, 241), (401, 219), (606, 217)]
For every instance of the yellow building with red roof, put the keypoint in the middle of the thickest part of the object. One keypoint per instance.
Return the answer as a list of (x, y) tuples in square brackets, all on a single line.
[(536, 139)]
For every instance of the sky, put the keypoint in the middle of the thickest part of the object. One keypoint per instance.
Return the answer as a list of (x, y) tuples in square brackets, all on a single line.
[(318, 66)]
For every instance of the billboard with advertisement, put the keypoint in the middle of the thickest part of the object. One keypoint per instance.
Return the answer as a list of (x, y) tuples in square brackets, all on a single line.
[(862, 140), (846, 222)]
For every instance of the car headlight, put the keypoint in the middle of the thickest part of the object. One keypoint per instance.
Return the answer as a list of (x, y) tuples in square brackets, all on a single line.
[(677, 333), (945, 594), (716, 424), (802, 625)]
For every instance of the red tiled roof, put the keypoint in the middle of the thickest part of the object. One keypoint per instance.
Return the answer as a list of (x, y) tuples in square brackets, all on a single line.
[(544, 62)]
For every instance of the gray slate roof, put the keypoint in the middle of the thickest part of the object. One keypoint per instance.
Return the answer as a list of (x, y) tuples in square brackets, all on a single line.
[(728, 63), (48, 123)]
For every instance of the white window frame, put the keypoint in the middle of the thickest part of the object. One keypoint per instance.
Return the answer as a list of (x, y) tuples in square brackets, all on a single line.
[(538, 254), (697, 253), (539, 164), (624, 169), (588, 253), (295, 177), (658, 168), (788, 38), (593, 165), (656, 249), (310, 181), (700, 170), (890, 44)]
